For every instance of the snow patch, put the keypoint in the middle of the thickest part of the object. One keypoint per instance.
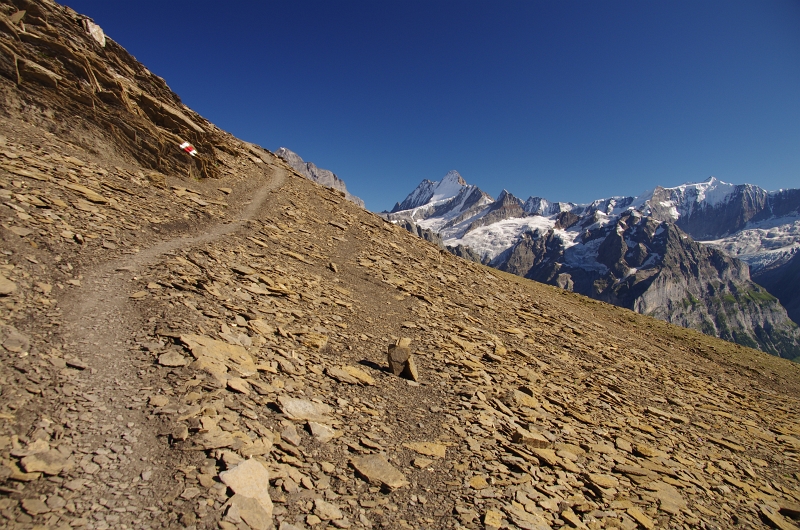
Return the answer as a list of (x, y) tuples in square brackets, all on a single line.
[(491, 240)]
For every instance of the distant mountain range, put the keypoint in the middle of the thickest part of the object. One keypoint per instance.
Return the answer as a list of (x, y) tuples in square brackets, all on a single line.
[(693, 255), (318, 175)]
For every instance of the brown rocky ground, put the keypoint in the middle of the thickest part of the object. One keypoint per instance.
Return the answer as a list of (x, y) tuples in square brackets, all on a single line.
[(213, 354)]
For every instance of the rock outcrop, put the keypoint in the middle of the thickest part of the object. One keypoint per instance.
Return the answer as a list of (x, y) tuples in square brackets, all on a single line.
[(320, 176)]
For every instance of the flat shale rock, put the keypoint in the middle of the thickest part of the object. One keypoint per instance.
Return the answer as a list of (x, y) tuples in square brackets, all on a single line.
[(304, 410), (6, 286), (216, 356), (51, 462), (250, 479), (172, 359), (377, 470), (427, 448), (249, 510)]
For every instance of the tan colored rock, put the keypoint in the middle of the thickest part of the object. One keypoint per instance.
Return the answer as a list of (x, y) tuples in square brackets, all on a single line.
[(327, 511), (401, 361), (548, 456), (237, 384), (478, 482), (572, 518), (530, 438), (641, 518), (250, 511), (520, 398), (493, 519), (262, 327), (216, 357), (397, 358), (427, 448), (776, 519), (422, 463), (172, 358), (250, 479), (51, 462), (360, 375), (603, 481), (377, 470), (321, 433), (35, 506), (314, 340), (6, 286), (159, 401)]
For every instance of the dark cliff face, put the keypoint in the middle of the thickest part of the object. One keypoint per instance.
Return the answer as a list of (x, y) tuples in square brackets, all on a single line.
[(711, 222), (89, 82), (784, 283), (746, 204), (656, 269)]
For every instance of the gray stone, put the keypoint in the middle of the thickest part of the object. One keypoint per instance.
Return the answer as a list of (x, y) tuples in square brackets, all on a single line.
[(172, 358), (304, 410)]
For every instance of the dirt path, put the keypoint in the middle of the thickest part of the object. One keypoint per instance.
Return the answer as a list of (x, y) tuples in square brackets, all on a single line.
[(122, 472)]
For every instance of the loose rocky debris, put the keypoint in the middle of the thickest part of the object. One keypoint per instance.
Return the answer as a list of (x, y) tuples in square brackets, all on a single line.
[(168, 363)]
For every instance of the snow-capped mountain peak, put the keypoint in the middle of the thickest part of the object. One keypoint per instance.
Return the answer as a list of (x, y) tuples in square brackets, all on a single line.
[(429, 192), (448, 187)]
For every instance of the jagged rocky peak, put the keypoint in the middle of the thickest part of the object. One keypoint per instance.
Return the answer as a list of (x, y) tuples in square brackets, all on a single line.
[(507, 198), (432, 191), (541, 206), (505, 207), (317, 174)]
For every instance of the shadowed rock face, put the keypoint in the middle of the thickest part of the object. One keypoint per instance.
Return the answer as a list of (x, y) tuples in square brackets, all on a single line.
[(784, 282), (318, 175), (424, 233), (505, 207), (745, 204)]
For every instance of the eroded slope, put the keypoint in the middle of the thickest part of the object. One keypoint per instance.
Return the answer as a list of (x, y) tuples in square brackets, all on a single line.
[(212, 353)]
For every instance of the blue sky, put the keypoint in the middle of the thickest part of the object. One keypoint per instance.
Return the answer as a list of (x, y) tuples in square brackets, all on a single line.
[(569, 100)]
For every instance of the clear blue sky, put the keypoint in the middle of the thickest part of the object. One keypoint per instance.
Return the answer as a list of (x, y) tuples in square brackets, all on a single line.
[(569, 100)]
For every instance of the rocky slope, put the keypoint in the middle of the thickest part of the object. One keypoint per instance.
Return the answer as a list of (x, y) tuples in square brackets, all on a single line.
[(632, 252), (318, 175), (212, 353)]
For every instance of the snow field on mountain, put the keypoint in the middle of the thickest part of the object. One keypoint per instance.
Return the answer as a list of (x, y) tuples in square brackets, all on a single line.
[(491, 240), (764, 243)]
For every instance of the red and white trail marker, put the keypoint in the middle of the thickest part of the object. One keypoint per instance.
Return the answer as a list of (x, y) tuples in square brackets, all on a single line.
[(189, 148)]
